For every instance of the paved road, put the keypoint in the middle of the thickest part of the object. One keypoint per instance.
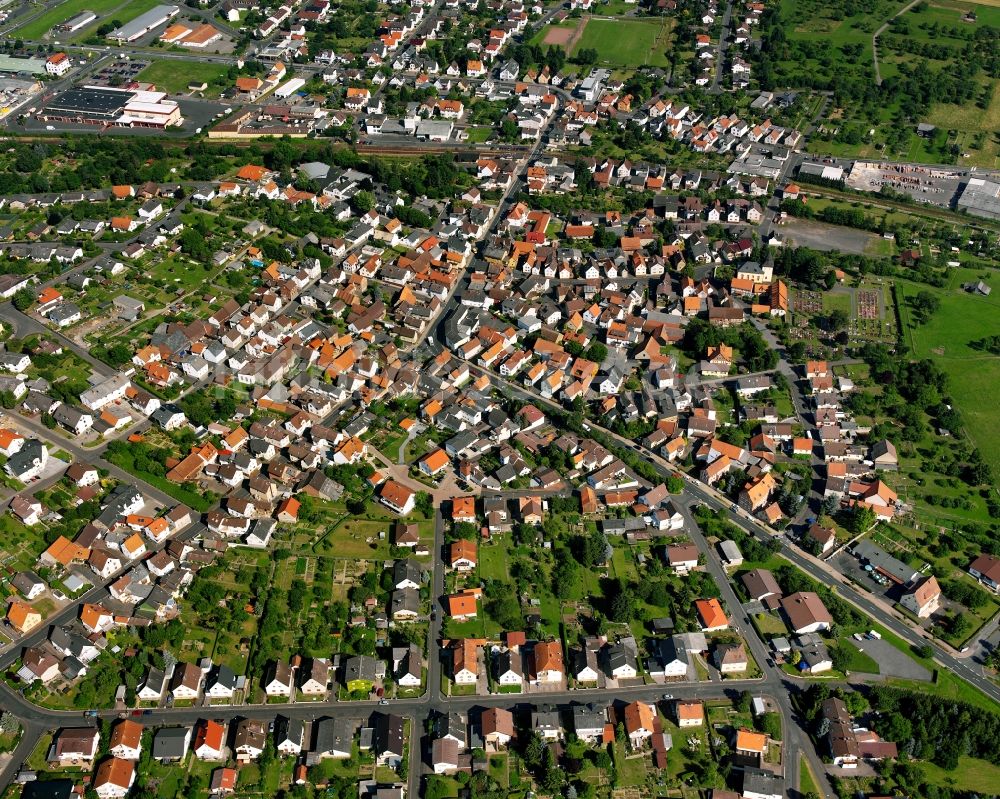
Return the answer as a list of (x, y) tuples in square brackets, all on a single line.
[(31, 733), (24, 325), (797, 740), (720, 49)]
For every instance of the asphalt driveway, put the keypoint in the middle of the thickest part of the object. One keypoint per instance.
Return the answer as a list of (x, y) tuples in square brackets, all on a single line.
[(892, 662)]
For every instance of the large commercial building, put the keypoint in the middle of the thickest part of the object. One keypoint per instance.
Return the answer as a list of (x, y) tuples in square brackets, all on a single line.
[(144, 23), (22, 66), (81, 20), (981, 197), (99, 105)]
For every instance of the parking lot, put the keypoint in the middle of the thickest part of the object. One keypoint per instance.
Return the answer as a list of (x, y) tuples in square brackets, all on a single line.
[(118, 73), (851, 567), (925, 184), (198, 114), (892, 662)]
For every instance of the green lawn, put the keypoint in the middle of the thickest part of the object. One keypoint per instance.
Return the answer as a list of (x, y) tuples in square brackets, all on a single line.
[(494, 559), (357, 538), (498, 769), (173, 76), (62, 12), (769, 624), (479, 133), (630, 43), (177, 272), (631, 771), (807, 784), (978, 776), (836, 301), (860, 661)]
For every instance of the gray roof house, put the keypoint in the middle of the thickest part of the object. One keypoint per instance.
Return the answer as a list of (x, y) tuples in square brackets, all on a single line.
[(171, 743)]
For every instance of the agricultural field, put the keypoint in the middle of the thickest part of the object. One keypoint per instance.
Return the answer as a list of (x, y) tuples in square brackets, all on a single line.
[(173, 76)]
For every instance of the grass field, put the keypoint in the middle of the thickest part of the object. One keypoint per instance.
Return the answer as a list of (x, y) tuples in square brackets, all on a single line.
[(973, 375), (770, 624), (132, 9), (860, 661), (971, 775), (174, 76), (38, 27), (974, 126), (807, 783), (178, 273), (619, 43), (837, 301), (627, 43)]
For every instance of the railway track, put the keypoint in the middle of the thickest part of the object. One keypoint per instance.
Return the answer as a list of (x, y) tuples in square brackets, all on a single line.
[(515, 151)]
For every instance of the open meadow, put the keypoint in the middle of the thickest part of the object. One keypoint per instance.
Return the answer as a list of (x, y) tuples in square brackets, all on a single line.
[(826, 47), (173, 75), (973, 375), (41, 25)]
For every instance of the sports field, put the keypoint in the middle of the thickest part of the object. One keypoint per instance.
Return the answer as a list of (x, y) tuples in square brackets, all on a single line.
[(618, 42), (37, 28)]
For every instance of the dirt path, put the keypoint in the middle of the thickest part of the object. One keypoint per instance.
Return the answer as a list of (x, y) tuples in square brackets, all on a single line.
[(577, 35), (903, 10)]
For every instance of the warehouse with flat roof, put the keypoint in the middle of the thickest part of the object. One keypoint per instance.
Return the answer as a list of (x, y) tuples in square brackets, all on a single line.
[(81, 20), (980, 197), (87, 104), (22, 66), (144, 23), (100, 105)]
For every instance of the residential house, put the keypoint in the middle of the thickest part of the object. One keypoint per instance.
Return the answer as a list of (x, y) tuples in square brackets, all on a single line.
[(731, 658), (249, 739), (923, 598), (496, 727), (547, 662), (126, 740), (638, 719), (114, 778), (210, 740), (170, 744), (278, 679), (806, 612), (689, 713)]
